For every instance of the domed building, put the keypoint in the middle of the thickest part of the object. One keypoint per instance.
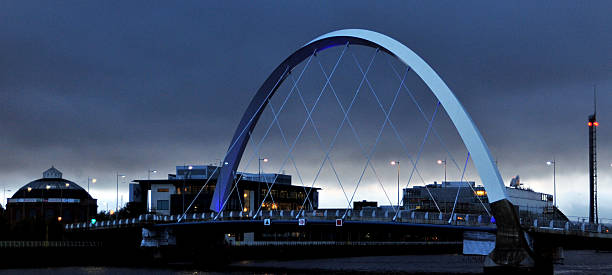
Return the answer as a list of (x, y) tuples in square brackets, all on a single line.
[(51, 198)]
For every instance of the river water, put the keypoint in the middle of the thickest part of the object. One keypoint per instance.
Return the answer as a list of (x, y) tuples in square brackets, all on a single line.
[(576, 262)]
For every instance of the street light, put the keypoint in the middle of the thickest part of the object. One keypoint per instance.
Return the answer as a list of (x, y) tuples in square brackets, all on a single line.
[(259, 177), (149, 173), (554, 165), (443, 162), (92, 180), (117, 203), (4, 188), (396, 162), (259, 166), (187, 175)]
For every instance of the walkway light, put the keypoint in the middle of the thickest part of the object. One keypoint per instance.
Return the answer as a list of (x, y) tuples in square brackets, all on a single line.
[(149, 173), (67, 185), (396, 162), (29, 189), (117, 202), (440, 161), (554, 165), (48, 187)]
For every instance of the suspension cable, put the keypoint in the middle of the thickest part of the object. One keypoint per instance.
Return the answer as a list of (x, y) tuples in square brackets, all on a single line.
[(459, 189), (435, 132), (363, 151), (343, 120), (304, 125)]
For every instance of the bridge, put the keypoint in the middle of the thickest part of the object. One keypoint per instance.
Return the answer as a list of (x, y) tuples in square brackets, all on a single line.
[(519, 243)]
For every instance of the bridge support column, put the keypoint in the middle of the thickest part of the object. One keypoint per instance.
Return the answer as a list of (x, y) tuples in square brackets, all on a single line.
[(512, 252)]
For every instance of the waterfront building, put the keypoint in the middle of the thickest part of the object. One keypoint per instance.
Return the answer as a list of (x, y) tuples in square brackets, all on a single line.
[(172, 196), (468, 198), (51, 198)]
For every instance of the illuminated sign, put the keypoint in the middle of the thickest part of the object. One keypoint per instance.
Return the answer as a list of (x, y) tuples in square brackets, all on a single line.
[(30, 200)]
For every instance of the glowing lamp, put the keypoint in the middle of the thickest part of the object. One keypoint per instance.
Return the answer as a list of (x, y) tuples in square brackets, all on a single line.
[(93, 221), (59, 219), (590, 124), (596, 123)]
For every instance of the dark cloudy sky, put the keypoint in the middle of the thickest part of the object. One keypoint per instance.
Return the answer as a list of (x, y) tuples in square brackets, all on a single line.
[(97, 88)]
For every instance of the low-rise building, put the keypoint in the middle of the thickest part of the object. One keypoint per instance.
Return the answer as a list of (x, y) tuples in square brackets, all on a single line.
[(51, 197), (468, 198), (196, 184)]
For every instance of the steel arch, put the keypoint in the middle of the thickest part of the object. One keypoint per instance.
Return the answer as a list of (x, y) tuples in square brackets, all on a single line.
[(470, 135)]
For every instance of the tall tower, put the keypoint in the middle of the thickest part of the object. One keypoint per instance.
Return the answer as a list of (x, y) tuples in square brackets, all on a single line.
[(593, 215)]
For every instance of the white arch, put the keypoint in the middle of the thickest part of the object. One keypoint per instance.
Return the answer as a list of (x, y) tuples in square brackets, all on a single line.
[(470, 135)]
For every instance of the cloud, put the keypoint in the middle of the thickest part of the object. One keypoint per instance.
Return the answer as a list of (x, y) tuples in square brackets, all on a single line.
[(96, 88)]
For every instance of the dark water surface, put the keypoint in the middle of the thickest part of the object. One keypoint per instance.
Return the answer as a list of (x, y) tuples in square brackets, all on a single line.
[(576, 262)]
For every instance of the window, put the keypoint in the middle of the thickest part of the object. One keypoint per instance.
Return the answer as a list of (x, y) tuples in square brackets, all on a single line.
[(163, 205), (162, 190)]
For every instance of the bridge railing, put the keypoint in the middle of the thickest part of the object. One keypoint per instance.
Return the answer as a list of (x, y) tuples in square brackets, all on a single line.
[(325, 214), (379, 215), (568, 226)]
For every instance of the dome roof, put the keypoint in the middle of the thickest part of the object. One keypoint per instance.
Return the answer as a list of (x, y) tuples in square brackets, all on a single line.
[(52, 186)]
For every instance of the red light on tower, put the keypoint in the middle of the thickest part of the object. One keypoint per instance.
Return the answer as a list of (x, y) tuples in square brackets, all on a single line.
[(590, 124), (596, 123)]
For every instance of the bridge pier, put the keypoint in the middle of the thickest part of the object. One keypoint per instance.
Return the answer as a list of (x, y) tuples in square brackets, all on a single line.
[(512, 252)]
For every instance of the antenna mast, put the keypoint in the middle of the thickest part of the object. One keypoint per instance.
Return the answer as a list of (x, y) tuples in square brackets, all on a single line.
[(593, 213)]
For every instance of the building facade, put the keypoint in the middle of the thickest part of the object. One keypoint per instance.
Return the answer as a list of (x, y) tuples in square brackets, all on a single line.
[(51, 198), (467, 198), (172, 196)]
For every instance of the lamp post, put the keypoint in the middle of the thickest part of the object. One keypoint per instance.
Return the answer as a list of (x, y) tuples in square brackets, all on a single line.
[(149, 173), (92, 180), (188, 174), (554, 165), (59, 218), (396, 162), (43, 201), (259, 166), (6, 200), (443, 162), (259, 178), (117, 202)]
